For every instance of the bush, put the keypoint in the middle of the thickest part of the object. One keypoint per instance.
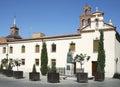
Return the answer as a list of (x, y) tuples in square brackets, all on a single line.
[(34, 69), (53, 69), (116, 76)]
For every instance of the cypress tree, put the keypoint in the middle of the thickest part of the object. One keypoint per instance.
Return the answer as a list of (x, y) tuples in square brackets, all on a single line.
[(44, 59), (34, 69), (101, 54)]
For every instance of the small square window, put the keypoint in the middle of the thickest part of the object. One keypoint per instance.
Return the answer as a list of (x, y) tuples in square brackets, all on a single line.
[(23, 61), (37, 62)]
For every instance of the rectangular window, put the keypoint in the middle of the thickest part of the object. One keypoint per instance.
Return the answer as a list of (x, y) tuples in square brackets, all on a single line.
[(53, 61), (37, 48), (23, 49), (11, 49), (23, 61), (95, 45), (37, 62), (53, 47), (72, 47), (4, 49)]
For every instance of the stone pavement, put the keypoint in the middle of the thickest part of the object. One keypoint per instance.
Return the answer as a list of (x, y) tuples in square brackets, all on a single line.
[(69, 82)]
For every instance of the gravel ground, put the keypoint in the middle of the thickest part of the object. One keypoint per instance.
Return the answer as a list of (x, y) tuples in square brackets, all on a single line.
[(68, 82)]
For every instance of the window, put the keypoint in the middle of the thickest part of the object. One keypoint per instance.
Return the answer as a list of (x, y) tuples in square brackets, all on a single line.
[(53, 47), (53, 62), (83, 22), (37, 62), (4, 49), (23, 61), (10, 60), (96, 21), (95, 45), (86, 12), (11, 49), (23, 49), (72, 47), (37, 48), (89, 21)]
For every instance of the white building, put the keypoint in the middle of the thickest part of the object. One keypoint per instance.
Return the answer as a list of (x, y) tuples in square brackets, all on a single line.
[(84, 41)]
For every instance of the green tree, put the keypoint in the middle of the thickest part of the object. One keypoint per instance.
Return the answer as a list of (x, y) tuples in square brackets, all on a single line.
[(82, 58), (9, 67), (44, 59), (1, 66), (17, 63), (34, 69), (101, 54)]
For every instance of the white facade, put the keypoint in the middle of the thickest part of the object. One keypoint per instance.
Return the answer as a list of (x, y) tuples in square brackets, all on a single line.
[(84, 41)]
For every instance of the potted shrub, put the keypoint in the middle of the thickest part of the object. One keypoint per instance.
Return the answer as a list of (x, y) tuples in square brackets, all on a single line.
[(53, 76), (82, 77), (34, 75), (9, 71), (99, 75), (17, 74)]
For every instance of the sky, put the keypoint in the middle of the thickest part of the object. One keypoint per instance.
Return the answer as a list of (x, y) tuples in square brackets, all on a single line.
[(52, 17)]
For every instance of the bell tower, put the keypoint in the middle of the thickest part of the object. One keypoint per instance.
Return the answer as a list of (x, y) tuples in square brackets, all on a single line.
[(14, 30), (85, 18)]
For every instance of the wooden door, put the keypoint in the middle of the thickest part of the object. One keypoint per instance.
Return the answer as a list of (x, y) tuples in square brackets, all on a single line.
[(94, 67)]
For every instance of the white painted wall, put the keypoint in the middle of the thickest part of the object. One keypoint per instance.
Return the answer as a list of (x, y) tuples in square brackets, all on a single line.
[(30, 55), (84, 44), (117, 55)]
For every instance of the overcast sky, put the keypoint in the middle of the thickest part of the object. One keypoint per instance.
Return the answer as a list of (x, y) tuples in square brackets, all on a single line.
[(52, 17)]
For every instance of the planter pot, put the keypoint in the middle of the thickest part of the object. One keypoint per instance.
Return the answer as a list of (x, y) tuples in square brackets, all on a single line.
[(18, 74), (34, 76), (82, 77), (116, 76), (99, 76), (4, 72), (1, 70), (9, 73), (53, 77)]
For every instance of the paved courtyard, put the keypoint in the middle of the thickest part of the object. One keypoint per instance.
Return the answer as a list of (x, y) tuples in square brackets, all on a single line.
[(69, 82)]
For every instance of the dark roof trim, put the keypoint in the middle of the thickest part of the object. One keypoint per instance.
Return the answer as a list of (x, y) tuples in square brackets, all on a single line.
[(110, 25), (118, 37)]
